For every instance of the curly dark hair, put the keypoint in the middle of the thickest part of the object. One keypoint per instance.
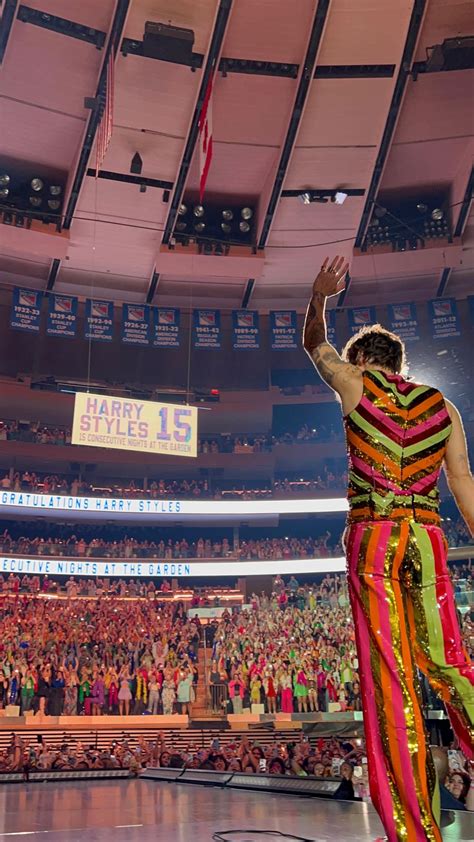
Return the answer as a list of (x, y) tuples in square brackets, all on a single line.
[(374, 344)]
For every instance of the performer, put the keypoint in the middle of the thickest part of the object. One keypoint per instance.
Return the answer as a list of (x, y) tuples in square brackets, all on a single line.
[(399, 433)]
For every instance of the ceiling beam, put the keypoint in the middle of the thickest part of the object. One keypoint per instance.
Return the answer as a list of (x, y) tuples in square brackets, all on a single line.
[(443, 281), (463, 215), (394, 110), (152, 287), (125, 178), (217, 38), (111, 49), (62, 26), (6, 23), (249, 288), (53, 273), (306, 77)]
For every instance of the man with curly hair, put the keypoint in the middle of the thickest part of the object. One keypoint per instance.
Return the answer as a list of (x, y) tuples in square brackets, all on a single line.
[(399, 435)]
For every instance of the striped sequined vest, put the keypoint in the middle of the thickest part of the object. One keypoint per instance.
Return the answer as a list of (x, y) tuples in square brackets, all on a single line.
[(396, 438)]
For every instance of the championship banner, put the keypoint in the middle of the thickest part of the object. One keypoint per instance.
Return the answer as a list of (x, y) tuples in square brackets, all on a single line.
[(444, 318), (360, 316), (99, 321), (166, 324), (283, 327), (404, 321), (62, 316), (206, 329), (26, 310), (245, 330), (125, 424), (136, 324), (331, 326)]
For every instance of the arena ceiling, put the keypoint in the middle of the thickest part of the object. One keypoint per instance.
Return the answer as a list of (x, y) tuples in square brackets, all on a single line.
[(318, 96)]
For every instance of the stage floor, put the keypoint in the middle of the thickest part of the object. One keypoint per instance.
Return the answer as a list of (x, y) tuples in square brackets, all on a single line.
[(147, 811)]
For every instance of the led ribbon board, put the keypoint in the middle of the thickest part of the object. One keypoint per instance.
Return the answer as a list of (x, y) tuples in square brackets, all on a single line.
[(129, 424)]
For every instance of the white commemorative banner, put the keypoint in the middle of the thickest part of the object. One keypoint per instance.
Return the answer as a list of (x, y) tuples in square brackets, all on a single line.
[(148, 568), (29, 503)]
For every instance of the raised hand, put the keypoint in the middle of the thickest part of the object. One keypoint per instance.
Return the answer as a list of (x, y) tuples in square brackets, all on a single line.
[(331, 278)]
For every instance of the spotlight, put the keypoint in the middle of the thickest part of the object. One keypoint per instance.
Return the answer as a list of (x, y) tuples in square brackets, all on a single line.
[(181, 226), (198, 211), (54, 204), (8, 218), (36, 201), (36, 184), (305, 198), (219, 248), (182, 210), (4, 179), (55, 189), (226, 227), (246, 213), (19, 220), (380, 211), (421, 207), (228, 215), (437, 214), (244, 227), (340, 197), (199, 227), (4, 191)]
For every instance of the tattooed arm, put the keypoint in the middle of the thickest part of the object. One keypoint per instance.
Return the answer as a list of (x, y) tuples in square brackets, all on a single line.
[(344, 378), (458, 472)]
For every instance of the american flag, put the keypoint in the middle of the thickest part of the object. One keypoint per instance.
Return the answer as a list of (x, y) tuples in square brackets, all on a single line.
[(205, 138), (104, 132)]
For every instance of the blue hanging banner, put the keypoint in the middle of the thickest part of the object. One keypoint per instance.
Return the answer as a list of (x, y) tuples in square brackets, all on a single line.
[(360, 316), (62, 316), (444, 318), (245, 330), (136, 324), (206, 329), (404, 321), (331, 326), (26, 310), (99, 321), (166, 324), (283, 327)]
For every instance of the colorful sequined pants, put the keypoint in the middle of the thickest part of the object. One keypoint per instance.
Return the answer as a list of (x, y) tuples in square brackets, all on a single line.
[(405, 617)]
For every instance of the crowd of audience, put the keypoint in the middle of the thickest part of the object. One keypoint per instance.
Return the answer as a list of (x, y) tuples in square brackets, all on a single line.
[(341, 760), (29, 481), (291, 650), (37, 433), (294, 650), (93, 542)]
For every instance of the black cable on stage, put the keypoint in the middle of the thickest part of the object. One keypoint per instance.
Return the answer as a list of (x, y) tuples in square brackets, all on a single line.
[(223, 835)]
